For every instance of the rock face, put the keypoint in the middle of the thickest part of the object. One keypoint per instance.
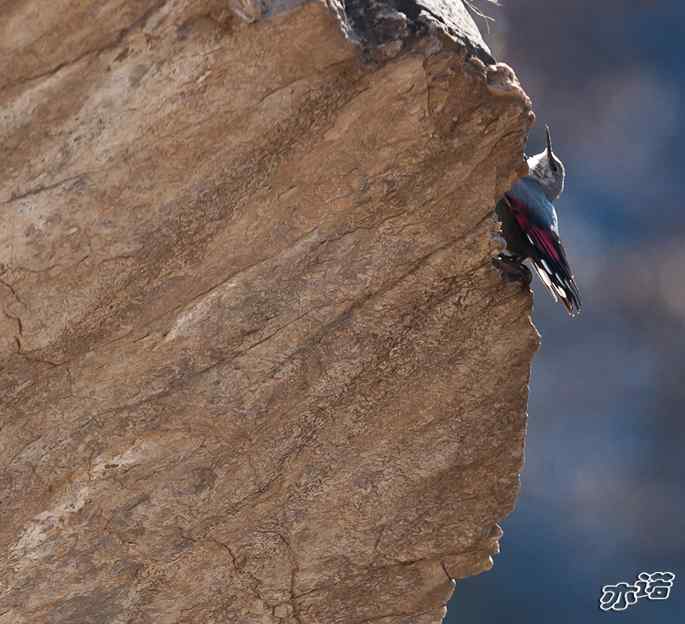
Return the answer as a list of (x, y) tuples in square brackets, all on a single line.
[(255, 363)]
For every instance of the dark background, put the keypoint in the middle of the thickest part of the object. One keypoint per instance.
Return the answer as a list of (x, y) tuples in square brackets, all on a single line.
[(602, 493)]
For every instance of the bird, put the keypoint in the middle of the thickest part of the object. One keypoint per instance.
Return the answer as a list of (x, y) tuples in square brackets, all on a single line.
[(530, 227)]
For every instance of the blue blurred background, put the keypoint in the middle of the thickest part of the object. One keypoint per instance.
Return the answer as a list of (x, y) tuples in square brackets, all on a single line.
[(602, 491)]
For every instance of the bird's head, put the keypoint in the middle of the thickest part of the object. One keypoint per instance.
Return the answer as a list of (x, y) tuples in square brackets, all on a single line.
[(548, 170)]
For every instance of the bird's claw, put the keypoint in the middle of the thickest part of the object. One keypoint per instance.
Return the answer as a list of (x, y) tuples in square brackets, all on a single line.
[(513, 270)]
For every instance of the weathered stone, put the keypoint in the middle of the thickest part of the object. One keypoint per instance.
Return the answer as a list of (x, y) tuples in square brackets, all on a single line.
[(283, 610), (255, 362)]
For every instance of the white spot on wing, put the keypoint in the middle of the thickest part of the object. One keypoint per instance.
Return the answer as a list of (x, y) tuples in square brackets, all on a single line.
[(545, 278)]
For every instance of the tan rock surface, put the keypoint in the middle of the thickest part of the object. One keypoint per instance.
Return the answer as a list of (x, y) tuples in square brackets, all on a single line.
[(255, 364)]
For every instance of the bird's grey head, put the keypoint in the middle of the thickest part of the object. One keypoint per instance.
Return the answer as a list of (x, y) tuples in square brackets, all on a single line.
[(548, 170)]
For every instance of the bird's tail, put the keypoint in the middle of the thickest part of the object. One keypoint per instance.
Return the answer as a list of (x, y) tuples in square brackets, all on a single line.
[(560, 284)]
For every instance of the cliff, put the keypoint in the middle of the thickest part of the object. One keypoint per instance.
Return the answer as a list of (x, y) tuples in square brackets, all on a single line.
[(255, 363)]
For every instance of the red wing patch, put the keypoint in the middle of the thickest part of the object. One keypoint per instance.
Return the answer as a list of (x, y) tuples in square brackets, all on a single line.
[(542, 238), (518, 209), (545, 241)]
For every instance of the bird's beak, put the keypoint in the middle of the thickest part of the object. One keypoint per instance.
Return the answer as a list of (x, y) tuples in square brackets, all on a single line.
[(549, 144)]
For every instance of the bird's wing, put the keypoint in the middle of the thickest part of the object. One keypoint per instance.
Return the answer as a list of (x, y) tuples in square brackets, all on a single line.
[(553, 269), (537, 219)]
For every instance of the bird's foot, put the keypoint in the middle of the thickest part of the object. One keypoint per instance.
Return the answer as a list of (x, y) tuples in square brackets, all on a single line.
[(512, 269)]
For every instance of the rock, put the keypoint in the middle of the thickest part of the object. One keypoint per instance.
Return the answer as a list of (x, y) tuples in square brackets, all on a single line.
[(283, 611), (383, 22), (255, 363)]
